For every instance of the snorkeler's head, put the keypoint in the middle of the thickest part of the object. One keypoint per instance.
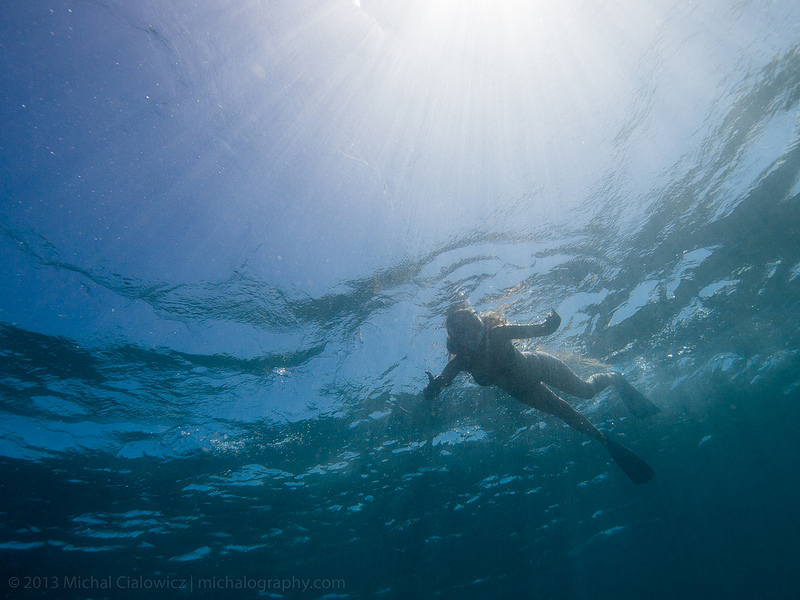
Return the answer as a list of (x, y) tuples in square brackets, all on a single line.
[(465, 331)]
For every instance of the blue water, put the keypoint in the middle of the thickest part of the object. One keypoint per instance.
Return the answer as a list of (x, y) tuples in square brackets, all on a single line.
[(230, 233)]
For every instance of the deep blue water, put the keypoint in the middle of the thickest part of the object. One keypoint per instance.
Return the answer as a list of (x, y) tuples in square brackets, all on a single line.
[(229, 236)]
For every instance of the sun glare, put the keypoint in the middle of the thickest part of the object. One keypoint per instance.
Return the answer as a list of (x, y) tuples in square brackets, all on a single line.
[(510, 29)]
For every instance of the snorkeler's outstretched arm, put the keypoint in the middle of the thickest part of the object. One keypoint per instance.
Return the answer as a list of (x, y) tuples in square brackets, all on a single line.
[(437, 384), (520, 332)]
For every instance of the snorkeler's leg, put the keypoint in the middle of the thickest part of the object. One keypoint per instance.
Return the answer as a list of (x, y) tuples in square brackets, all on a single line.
[(547, 401), (560, 376), (555, 373)]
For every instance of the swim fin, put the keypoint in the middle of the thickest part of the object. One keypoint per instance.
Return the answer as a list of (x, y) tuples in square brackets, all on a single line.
[(635, 468), (639, 404)]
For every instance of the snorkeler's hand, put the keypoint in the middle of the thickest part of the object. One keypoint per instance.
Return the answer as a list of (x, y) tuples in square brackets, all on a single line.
[(551, 322), (431, 383), (434, 386)]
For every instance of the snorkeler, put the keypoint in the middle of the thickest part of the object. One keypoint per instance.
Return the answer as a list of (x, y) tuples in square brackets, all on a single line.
[(482, 346)]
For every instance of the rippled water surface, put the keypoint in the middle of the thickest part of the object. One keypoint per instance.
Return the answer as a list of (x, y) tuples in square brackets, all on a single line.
[(230, 233)]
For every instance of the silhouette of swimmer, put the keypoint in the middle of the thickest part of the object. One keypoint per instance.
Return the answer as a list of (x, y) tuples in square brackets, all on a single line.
[(482, 346)]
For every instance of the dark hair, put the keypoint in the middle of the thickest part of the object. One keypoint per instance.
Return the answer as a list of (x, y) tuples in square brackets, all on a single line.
[(490, 321)]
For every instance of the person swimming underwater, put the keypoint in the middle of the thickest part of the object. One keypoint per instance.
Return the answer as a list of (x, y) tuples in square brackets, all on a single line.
[(482, 346)]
